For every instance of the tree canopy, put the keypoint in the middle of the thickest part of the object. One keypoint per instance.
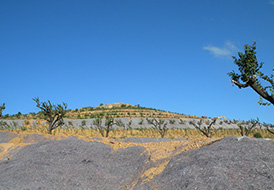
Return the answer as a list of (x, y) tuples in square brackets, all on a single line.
[(2, 107), (250, 75), (53, 114)]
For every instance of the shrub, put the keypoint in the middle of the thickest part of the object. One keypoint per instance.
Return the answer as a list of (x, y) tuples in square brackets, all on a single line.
[(247, 127), (23, 128), (84, 122), (26, 122), (257, 135), (172, 121), (141, 122), (182, 122), (53, 114), (2, 107), (159, 125)]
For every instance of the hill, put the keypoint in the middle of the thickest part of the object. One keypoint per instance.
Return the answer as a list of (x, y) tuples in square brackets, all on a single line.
[(115, 110)]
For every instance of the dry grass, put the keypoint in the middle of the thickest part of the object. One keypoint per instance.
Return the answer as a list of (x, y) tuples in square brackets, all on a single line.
[(148, 133)]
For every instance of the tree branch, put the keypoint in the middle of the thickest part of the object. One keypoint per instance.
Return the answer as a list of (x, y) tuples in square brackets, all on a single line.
[(262, 93), (239, 84)]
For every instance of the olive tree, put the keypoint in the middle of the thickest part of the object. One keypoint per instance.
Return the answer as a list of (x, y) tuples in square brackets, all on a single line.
[(269, 127), (105, 129), (53, 114), (247, 127), (2, 107), (206, 128), (251, 76), (160, 125)]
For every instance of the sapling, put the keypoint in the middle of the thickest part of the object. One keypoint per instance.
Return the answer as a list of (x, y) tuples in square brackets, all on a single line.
[(53, 114), (159, 125), (206, 128)]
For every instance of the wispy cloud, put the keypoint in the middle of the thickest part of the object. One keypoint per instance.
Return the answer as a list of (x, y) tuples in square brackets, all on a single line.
[(227, 50), (271, 2)]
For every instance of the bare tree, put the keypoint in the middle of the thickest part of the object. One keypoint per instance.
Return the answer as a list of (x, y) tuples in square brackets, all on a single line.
[(160, 125), (247, 128), (206, 128), (53, 114), (2, 107)]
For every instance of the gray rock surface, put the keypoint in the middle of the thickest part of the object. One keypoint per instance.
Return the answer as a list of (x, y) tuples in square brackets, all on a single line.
[(5, 137), (231, 163), (228, 164), (71, 164)]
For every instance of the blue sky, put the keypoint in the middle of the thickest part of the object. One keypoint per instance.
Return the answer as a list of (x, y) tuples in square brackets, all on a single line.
[(171, 55)]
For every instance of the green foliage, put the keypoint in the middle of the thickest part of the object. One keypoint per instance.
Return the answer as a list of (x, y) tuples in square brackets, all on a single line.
[(2, 107), (250, 73), (141, 122), (92, 116), (159, 125), (182, 122), (23, 128), (70, 123), (109, 122), (26, 122), (4, 125), (247, 64), (257, 135), (53, 114), (206, 128), (247, 127), (120, 123), (18, 115), (98, 125), (83, 122), (270, 128), (172, 121), (129, 124)]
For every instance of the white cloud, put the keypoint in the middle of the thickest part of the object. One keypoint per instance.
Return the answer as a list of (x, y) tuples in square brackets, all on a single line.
[(228, 49), (271, 2)]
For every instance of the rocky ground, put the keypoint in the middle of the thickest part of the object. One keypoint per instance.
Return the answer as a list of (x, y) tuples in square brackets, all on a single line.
[(48, 162)]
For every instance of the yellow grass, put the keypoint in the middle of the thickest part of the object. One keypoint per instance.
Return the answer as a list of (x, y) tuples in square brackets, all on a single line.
[(148, 133)]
